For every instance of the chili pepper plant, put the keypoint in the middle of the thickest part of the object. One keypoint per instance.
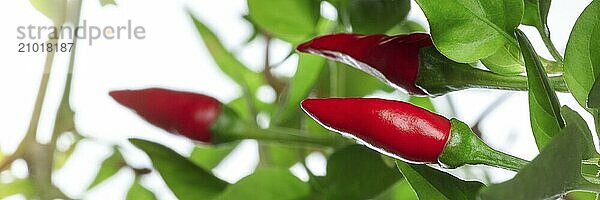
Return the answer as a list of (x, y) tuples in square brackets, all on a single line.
[(398, 147)]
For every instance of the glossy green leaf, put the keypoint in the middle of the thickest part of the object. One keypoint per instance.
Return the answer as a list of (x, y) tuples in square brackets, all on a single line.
[(468, 30), (108, 2), (399, 191), (508, 60), (536, 13), (268, 184), (594, 96), (356, 172), (307, 74), (109, 167), (373, 16), (582, 56), (557, 170), (186, 179), (210, 156), (544, 107), (291, 20), (53, 9), (430, 183), (227, 62), (18, 186), (139, 192), (580, 195)]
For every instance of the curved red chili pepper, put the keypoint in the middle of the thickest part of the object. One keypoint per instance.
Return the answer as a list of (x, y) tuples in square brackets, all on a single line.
[(185, 113), (397, 128), (393, 59)]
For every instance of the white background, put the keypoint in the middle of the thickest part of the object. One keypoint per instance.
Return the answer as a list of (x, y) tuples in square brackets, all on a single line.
[(172, 55)]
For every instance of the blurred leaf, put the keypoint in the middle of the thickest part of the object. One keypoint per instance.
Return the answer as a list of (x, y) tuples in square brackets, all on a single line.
[(408, 26), (556, 170), (186, 179), (291, 20), (139, 192), (268, 184), (536, 13), (240, 106), (357, 83), (423, 102), (108, 2), (544, 107), (356, 172), (210, 156), (60, 158), (399, 191), (430, 183), (280, 155), (491, 24), (594, 97), (109, 167), (227, 62), (582, 56), (307, 74), (53, 9), (18, 186), (373, 16)]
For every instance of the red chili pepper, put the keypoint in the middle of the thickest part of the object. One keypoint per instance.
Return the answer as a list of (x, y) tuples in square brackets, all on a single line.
[(405, 131), (393, 59), (185, 113), (398, 128)]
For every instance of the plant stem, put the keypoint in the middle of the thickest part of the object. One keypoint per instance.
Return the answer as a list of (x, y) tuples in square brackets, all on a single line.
[(485, 79), (545, 35), (292, 136)]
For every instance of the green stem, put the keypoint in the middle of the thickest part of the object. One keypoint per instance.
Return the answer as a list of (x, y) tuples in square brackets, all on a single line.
[(439, 75), (291, 136), (464, 147), (229, 127), (597, 121), (545, 35)]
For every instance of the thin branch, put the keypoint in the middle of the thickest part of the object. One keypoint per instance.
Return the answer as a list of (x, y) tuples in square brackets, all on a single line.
[(476, 127)]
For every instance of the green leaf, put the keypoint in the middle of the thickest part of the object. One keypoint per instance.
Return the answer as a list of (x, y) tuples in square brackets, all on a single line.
[(291, 20), (277, 155), (423, 102), (536, 13), (508, 60), (373, 16), (268, 184), (582, 56), (468, 30), (407, 27), (53, 9), (544, 107), (109, 167), (139, 192), (186, 179), (19, 186), (108, 2), (356, 172), (556, 171), (210, 156), (399, 191), (228, 63), (307, 74), (594, 96), (430, 183), (356, 83)]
